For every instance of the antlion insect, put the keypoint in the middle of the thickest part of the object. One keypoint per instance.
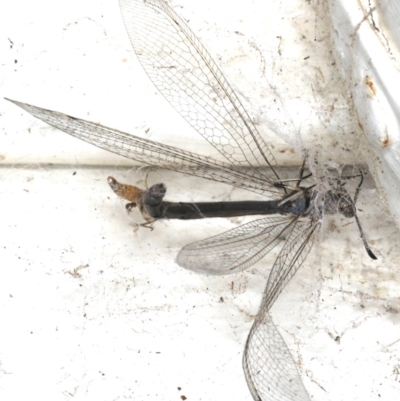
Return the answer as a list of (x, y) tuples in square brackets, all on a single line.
[(181, 68)]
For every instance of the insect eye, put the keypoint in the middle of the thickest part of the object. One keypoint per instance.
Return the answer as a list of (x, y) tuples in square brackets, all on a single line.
[(346, 208)]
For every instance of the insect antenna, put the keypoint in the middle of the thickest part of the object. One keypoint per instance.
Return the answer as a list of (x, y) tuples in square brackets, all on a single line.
[(366, 246)]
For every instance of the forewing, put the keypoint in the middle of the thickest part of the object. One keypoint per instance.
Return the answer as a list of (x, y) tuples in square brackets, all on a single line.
[(236, 249), (153, 153), (270, 370), (186, 75), (290, 258)]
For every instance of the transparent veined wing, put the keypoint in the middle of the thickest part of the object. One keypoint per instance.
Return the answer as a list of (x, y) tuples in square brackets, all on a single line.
[(187, 76), (270, 370), (236, 249), (153, 153)]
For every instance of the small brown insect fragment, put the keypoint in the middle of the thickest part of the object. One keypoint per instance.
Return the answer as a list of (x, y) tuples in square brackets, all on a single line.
[(370, 83)]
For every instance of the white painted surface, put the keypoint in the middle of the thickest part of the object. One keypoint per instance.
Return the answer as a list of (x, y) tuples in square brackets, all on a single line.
[(132, 324), (367, 40), (92, 311), (76, 58)]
